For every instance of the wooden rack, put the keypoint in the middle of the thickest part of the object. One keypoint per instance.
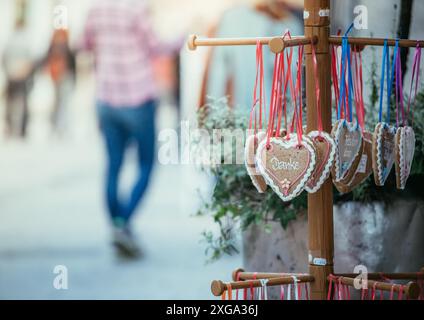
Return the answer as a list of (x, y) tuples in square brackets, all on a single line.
[(320, 204)]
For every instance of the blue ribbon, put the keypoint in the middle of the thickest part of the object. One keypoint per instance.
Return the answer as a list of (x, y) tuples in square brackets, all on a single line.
[(350, 82)]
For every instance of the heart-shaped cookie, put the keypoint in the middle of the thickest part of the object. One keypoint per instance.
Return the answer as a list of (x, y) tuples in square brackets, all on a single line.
[(348, 139), (404, 154), (363, 169), (252, 143), (383, 155), (325, 151), (286, 165)]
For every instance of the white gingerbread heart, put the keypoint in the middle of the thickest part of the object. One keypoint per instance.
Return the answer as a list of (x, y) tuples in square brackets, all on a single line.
[(251, 147), (286, 165)]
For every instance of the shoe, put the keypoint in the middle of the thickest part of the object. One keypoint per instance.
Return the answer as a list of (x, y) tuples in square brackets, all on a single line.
[(125, 242)]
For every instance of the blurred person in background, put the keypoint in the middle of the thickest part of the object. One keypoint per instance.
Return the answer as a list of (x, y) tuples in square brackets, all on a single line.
[(121, 36), (19, 65), (61, 66), (230, 70)]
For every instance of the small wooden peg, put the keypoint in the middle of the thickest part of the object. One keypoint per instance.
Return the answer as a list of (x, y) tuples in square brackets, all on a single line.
[(413, 290)]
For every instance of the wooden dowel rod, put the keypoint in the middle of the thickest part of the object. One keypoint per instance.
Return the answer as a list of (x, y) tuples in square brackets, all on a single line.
[(275, 43), (411, 289), (382, 275), (242, 275), (376, 41), (218, 287)]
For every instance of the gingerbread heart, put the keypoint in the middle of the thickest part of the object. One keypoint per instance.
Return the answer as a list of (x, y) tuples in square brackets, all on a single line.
[(251, 146), (404, 154), (348, 139), (363, 169), (383, 155), (325, 152), (286, 165)]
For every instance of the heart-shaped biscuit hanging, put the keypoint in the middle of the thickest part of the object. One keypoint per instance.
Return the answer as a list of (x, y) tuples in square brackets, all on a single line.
[(348, 139), (383, 155), (325, 153), (404, 154), (252, 143), (286, 165)]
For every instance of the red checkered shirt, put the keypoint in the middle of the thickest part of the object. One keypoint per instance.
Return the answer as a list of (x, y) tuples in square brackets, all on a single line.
[(120, 35)]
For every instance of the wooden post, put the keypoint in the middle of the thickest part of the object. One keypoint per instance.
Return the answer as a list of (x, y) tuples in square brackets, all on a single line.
[(320, 204)]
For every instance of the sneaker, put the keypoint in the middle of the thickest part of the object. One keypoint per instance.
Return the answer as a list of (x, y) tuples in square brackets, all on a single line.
[(125, 242)]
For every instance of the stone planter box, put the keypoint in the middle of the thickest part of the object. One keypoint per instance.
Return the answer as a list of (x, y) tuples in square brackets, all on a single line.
[(380, 237)]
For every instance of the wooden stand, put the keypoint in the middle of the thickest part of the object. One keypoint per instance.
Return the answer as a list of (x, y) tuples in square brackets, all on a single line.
[(320, 204)]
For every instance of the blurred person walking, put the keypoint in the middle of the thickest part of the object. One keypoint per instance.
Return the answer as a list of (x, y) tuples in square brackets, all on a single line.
[(18, 64), (60, 62), (120, 34)]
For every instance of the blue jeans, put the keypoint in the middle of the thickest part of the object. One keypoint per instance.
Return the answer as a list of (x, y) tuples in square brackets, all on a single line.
[(121, 126)]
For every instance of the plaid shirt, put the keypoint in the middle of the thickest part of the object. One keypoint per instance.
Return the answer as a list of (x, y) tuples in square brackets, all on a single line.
[(120, 35)]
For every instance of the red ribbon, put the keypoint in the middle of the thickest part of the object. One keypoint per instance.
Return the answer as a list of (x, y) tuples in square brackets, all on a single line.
[(335, 77), (296, 94), (278, 97)]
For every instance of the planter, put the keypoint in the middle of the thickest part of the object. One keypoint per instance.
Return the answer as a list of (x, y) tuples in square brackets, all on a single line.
[(382, 238)]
